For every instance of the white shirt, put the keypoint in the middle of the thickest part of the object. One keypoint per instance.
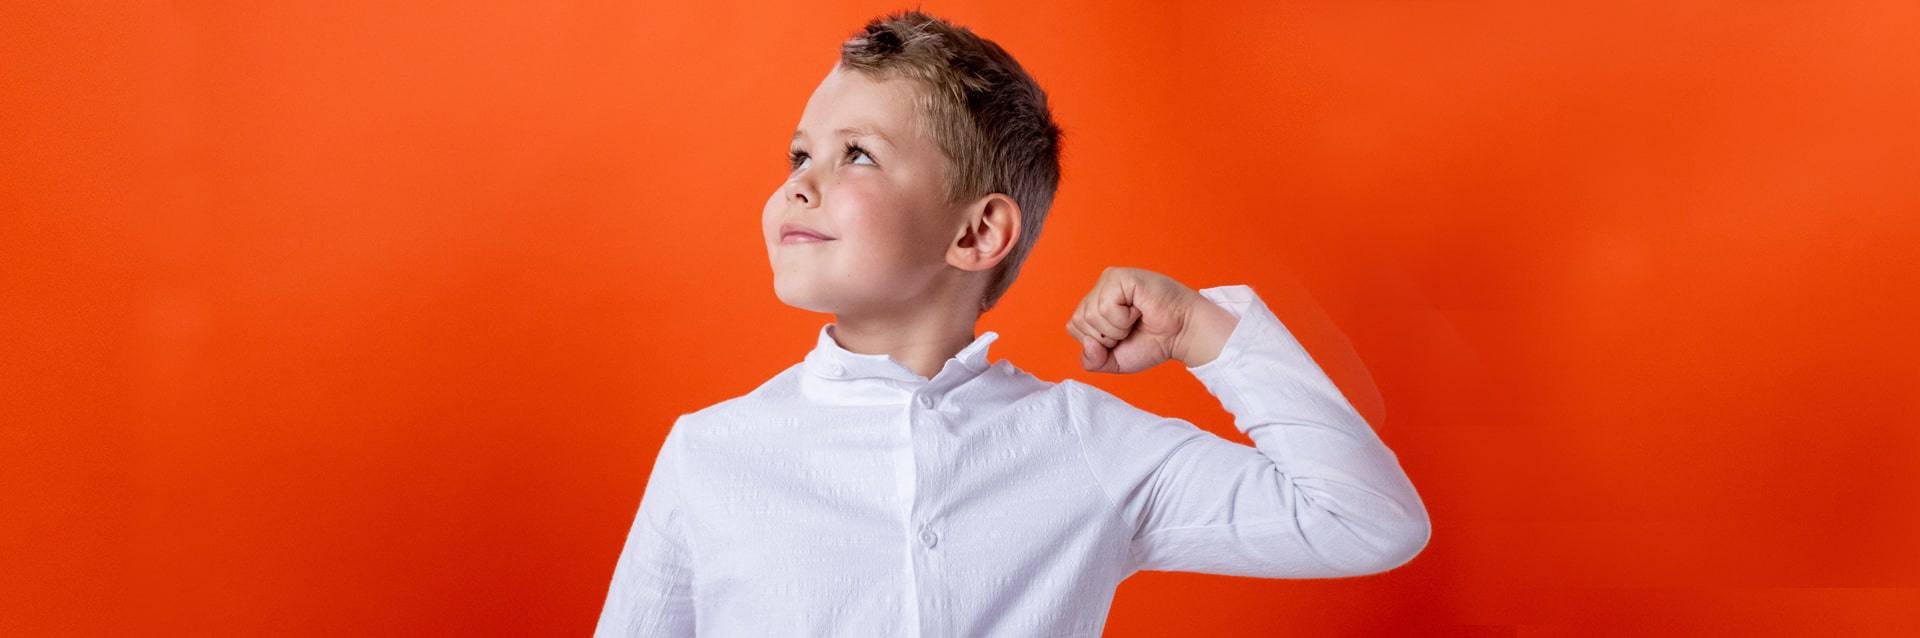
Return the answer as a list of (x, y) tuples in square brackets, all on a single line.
[(850, 496)]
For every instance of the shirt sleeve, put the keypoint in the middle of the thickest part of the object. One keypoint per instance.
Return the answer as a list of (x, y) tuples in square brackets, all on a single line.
[(652, 589), (1318, 495)]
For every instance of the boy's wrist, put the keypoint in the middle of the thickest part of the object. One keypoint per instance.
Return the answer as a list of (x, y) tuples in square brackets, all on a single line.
[(1205, 332)]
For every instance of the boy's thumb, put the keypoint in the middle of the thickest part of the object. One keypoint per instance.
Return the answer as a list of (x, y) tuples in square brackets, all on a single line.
[(1092, 356)]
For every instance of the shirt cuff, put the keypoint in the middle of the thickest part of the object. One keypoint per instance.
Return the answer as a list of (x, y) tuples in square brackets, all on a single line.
[(1263, 374), (1237, 299)]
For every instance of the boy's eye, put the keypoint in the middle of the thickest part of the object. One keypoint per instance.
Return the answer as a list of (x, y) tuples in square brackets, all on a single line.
[(853, 150), (797, 159)]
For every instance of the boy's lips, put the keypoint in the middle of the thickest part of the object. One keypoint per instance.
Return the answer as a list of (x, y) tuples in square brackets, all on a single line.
[(797, 234)]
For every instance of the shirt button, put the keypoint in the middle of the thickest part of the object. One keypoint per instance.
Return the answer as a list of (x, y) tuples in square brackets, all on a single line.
[(927, 537), (836, 369), (926, 401)]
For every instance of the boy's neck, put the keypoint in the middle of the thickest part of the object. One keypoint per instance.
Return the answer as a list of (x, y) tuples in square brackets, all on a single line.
[(923, 345)]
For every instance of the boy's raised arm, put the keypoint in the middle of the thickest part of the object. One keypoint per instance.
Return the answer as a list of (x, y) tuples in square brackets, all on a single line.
[(1320, 495), (651, 593)]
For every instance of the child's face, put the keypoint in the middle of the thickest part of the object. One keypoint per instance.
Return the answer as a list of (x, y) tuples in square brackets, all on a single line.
[(882, 203)]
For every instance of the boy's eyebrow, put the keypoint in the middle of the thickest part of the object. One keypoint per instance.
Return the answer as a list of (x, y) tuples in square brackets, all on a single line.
[(855, 131)]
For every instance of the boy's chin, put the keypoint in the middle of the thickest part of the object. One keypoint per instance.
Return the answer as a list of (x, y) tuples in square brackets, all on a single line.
[(807, 302)]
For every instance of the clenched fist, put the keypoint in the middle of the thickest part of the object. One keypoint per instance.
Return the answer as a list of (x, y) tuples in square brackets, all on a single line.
[(1135, 319)]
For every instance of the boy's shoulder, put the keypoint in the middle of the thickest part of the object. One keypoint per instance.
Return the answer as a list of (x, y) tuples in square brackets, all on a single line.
[(1096, 407), (751, 402)]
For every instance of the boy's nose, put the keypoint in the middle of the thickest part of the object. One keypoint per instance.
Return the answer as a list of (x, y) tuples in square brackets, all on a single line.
[(801, 192)]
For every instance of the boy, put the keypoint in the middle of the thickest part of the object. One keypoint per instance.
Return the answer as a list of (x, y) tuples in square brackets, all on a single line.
[(897, 483)]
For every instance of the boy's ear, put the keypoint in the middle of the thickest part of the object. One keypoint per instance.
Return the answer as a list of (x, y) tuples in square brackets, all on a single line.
[(992, 226)]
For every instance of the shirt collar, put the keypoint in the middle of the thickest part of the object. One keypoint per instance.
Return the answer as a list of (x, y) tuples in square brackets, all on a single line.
[(829, 360)]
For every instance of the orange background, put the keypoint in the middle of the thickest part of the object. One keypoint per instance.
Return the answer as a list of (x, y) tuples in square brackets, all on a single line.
[(326, 320)]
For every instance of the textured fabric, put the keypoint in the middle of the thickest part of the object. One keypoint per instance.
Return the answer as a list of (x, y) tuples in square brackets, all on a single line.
[(849, 496)]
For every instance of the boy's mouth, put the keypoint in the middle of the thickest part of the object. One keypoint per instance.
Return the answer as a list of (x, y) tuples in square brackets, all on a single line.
[(797, 234)]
